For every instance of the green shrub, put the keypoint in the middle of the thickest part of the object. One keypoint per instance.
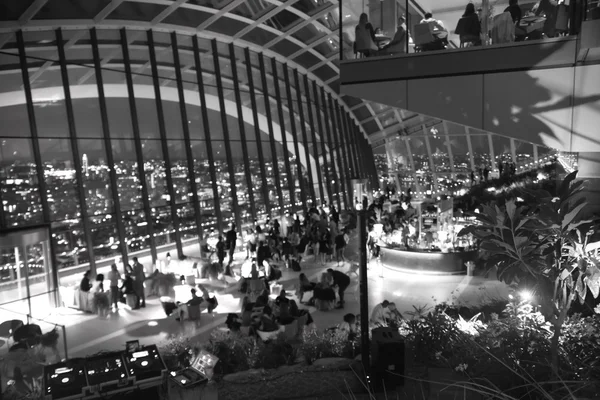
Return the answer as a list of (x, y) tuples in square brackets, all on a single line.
[(316, 345), (277, 352), (580, 346)]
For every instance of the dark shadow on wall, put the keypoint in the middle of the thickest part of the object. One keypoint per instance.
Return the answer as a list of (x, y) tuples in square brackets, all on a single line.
[(534, 105)]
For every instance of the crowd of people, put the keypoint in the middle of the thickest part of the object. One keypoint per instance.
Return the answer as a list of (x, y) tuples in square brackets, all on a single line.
[(131, 284), (431, 33), (269, 248)]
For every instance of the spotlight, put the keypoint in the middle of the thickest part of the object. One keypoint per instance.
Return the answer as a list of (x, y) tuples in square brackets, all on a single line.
[(526, 295)]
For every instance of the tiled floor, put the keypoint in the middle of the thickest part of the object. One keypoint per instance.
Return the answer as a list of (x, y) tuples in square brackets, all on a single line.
[(88, 334)]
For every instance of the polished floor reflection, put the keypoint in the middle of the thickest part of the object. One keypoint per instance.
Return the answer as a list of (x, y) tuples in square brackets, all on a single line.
[(87, 334)]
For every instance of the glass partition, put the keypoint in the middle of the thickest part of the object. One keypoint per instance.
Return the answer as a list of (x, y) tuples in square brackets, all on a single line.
[(125, 141)]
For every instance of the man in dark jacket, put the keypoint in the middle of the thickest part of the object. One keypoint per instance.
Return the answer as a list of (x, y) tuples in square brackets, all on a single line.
[(139, 276), (231, 241), (342, 281)]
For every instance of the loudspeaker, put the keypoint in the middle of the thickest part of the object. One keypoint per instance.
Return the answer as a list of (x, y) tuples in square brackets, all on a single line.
[(387, 358)]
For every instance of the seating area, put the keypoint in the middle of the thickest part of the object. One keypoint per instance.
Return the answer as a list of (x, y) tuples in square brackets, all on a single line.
[(483, 26)]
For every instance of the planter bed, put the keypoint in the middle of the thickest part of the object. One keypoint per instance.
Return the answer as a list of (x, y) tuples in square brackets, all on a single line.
[(333, 379)]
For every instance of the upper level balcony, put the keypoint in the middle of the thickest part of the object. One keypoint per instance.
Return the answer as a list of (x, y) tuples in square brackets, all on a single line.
[(532, 74)]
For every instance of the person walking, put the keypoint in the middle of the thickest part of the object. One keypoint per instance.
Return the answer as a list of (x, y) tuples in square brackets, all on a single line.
[(139, 276), (231, 241), (342, 281), (114, 277)]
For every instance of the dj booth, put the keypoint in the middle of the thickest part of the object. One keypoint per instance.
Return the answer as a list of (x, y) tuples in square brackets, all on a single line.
[(138, 372)]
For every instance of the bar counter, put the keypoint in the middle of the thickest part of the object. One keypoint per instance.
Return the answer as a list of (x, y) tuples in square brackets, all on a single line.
[(426, 262)]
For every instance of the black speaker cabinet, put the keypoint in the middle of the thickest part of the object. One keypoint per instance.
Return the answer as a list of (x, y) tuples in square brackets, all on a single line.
[(387, 359)]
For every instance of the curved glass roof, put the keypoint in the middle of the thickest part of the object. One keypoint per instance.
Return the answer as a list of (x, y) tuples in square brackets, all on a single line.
[(301, 33)]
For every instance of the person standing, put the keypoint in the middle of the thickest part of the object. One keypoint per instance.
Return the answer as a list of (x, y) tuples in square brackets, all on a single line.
[(114, 277), (139, 276), (342, 281), (221, 252), (340, 246), (231, 238), (85, 284)]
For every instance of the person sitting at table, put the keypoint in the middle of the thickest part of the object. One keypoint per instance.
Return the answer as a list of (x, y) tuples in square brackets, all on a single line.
[(398, 43), (436, 23), (364, 37), (393, 315), (247, 314), (267, 321), (439, 31), (469, 27), (380, 314), (285, 315), (503, 30), (514, 10), (304, 286), (323, 294), (182, 308), (348, 326)]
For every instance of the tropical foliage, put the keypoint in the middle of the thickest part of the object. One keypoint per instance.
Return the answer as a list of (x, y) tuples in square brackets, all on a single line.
[(507, 355), (540, 242)]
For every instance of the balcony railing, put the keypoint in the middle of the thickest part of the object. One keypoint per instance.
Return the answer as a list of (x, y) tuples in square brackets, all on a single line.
[(383, 28)]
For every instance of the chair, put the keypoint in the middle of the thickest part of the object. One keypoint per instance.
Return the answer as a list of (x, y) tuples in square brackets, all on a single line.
[(194, 312), (422, 36), (469, 41), (503, 29), (7, 330), (29, 333), (562, 20), (354, 268)]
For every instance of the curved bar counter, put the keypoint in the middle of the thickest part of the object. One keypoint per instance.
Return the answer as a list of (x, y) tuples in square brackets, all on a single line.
[(426, 262)]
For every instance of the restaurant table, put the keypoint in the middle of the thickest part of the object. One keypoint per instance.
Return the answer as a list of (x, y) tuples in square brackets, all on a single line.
[(381, 40), (531, 24)]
